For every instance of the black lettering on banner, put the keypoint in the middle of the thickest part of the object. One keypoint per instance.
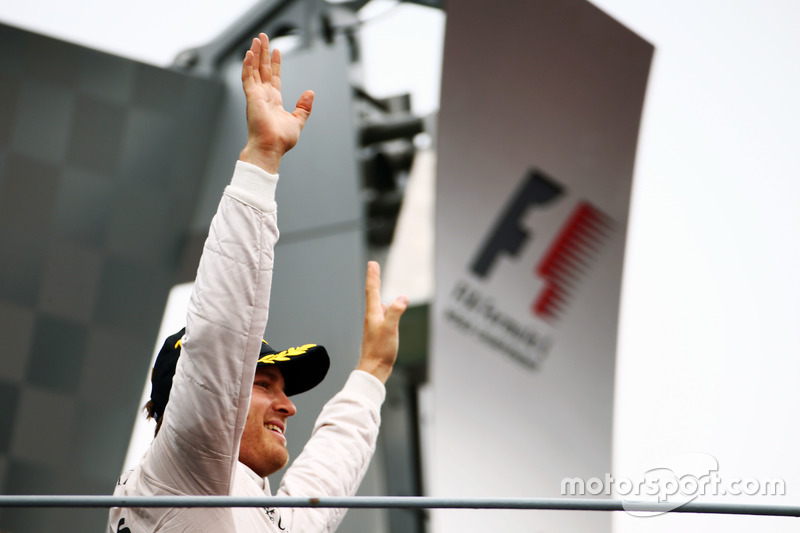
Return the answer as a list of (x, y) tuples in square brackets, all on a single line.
[(508, 236), (121, 529)]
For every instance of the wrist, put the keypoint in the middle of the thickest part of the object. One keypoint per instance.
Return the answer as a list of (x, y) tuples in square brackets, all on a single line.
[(378, 370), (265, 160)]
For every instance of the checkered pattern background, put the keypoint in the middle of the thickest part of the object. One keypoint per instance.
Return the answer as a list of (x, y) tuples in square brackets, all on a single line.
[(100, 165)]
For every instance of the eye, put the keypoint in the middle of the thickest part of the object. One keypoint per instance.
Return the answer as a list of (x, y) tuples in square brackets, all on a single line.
[(264, 384)]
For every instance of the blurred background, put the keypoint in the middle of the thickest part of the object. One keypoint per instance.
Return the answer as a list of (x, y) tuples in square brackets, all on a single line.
[(707, 338)]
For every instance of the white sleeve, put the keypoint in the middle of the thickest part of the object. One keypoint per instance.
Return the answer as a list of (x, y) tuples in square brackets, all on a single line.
[(337, 455), (197, 447)]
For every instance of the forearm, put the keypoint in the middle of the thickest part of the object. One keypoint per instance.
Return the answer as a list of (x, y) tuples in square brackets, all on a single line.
[(336, 457)]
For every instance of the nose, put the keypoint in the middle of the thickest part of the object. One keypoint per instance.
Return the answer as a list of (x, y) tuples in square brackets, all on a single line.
[(284, 405)]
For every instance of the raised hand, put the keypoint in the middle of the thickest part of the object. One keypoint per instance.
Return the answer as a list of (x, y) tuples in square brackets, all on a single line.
[(272, 131), (381, 328)]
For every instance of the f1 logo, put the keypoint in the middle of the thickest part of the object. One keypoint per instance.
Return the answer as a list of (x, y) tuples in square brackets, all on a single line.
[(508, 236), (568, 256)]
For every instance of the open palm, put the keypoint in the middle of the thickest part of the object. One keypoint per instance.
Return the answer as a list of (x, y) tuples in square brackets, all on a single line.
[(272, 131)]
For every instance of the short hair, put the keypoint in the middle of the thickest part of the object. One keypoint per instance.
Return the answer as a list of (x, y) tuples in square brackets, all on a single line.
[(149, 408)]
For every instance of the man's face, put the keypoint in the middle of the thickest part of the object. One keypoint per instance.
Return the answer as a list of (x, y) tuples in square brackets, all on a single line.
[(263, 446)]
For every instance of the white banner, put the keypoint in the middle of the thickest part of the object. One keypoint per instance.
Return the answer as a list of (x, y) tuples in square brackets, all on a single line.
[(538, 126)]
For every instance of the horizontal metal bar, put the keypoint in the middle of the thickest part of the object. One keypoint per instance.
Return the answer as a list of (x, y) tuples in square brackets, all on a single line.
[(401, 502)]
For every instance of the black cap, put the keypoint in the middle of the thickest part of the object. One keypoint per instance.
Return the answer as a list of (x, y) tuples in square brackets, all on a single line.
[(303, 368)]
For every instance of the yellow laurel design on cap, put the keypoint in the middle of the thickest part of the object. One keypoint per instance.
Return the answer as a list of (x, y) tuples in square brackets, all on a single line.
[(285, 355)]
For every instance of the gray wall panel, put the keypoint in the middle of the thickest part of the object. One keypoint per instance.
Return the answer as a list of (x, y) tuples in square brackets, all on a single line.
[(97, 188)]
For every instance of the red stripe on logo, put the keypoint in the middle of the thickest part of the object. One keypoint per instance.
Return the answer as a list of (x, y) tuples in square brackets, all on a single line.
[(568, 259)]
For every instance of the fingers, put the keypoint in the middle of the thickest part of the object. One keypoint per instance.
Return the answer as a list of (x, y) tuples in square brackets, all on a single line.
[(372, 288), (264, 64), (302, 111), (257, 65), (248, 65), (276, 68), (396, 310), (381, 328), (389, 313)]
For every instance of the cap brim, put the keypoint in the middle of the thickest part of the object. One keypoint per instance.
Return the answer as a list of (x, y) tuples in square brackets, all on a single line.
[(303, 367)]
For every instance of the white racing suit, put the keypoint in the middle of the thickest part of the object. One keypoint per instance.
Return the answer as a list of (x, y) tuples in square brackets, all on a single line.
[(196, 450)]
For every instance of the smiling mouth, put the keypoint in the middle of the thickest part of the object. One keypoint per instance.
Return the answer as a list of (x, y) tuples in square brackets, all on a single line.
[(276, 429)]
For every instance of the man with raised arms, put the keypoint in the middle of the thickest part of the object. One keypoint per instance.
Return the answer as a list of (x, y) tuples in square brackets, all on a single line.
[(220, 393)]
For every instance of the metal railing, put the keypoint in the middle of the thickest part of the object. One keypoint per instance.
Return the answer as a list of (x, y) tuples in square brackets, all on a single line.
[(402, 502)]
